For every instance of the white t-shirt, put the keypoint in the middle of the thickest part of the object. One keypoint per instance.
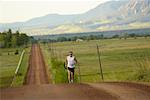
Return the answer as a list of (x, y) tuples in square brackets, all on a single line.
[(71, 61)]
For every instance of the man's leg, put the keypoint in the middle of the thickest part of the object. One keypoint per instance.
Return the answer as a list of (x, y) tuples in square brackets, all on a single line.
[(69, 76), (72, 75)]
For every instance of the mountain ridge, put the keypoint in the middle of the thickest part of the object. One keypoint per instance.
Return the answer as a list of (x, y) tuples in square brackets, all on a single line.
[(111, 15)]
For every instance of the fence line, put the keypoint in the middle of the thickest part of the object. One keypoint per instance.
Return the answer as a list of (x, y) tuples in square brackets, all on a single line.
[(92, 52), (98, 73), (18, 66)]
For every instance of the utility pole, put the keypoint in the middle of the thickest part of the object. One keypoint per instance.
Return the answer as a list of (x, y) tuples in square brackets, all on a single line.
[(100, 64)]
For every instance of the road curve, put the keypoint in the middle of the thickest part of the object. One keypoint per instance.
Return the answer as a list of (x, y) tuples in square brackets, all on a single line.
[(37, 69), (97, 91)]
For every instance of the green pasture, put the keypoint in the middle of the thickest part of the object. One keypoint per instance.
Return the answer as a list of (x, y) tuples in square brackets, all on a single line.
[(121, 59), (8, 64), (21, 75)]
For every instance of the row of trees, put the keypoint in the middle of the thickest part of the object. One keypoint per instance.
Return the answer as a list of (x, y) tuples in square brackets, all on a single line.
[(132, 35), (9, 39), (96, 37), (90, 37)]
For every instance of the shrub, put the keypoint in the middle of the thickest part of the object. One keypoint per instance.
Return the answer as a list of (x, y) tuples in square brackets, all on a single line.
[(16, 52)]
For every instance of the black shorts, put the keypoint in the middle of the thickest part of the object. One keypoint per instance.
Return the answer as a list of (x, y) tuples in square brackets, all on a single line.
[(71, 69)]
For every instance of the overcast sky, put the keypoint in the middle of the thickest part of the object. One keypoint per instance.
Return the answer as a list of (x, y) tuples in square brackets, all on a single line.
[(22, 10)]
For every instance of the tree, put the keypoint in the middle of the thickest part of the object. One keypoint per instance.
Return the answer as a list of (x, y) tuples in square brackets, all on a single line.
[(125, 35), (2, 40), (61, 39), (8, 38), (17, 38), (115, 36), (23, 39), (14, 40)]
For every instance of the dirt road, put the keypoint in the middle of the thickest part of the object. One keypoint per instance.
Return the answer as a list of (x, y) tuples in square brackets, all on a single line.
[(37, 69), (97, 91), (36, 87)]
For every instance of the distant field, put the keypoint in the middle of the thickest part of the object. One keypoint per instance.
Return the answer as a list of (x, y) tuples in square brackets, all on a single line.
[(8, 64), (121, 59)]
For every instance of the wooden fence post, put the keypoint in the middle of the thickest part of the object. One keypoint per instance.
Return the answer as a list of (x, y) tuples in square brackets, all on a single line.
[(100, 64)]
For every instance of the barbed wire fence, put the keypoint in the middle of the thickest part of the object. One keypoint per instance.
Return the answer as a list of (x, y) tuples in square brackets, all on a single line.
[(92, 62)]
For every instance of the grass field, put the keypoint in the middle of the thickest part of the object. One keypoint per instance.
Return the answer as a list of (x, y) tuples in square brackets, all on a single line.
[(8, 64), (20, 77), (121, 59)]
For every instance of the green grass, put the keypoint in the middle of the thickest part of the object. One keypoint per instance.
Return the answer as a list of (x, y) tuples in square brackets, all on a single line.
[(20, 77), (120, 58), (8, 64), (55, 67), (58, 71)]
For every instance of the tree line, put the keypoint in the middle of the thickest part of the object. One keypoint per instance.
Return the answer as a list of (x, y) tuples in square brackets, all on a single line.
[(9, 39), (90, 37), (95, 37)]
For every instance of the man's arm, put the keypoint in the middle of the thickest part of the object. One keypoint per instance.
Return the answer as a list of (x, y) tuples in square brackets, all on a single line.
[(75, 60), (66, 62)]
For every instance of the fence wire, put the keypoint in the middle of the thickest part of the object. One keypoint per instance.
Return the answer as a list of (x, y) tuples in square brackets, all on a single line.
[(118, 64)]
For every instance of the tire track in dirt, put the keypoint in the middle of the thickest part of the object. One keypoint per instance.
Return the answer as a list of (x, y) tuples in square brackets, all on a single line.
[(37, 73)]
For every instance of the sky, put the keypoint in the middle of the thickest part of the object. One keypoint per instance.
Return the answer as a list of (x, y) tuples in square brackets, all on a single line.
[(23, 10)]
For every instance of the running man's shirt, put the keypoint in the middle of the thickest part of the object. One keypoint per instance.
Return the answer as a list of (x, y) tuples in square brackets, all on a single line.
[(71, 61)]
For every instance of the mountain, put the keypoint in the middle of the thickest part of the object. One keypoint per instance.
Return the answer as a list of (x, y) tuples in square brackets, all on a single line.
[(136, 7), (129, 14), (48, 20), (111, 15), (103, 11)]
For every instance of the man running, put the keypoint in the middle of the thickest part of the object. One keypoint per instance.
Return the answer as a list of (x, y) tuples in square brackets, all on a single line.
[(70, 63)]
